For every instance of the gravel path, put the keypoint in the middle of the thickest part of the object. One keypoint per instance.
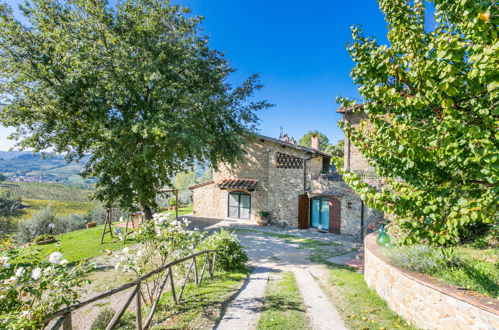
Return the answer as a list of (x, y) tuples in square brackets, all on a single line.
[(274, 254)]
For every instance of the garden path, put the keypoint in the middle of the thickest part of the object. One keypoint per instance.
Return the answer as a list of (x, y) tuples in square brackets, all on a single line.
[(275, 254)]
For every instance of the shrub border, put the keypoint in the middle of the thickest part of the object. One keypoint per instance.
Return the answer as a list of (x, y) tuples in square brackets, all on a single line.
[(373, 251)]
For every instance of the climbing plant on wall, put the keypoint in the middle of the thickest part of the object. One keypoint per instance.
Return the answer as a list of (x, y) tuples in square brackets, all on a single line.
[(431, 96)]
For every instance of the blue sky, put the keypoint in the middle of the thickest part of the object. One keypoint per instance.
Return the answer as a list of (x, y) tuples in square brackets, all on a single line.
[(297, 47)]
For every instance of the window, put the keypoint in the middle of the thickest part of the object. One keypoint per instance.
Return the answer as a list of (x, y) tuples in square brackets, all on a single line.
[(239, 205), (288, 161)]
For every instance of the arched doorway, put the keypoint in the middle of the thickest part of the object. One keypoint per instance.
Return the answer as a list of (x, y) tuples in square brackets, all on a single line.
[(325, 214), (239, 205)]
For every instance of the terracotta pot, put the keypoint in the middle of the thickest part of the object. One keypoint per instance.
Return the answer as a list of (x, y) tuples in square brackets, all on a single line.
[(263, 221)]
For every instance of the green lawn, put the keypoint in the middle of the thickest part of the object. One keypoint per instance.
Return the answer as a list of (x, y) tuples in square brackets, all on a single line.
[(359, 306), (85, 244), (201, 306), (82, 244), (283, 306)]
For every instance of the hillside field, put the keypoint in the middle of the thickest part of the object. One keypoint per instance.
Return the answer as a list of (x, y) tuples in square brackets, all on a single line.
[(46, 191), (63, 200)]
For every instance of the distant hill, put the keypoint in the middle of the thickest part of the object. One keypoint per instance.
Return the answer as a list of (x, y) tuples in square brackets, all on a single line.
[(53, 168)]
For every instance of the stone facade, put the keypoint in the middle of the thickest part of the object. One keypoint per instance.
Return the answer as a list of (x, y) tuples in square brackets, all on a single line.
[(279, 186), (425, 302)]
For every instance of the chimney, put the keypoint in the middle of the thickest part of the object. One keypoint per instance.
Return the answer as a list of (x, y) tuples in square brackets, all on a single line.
[(314, 143)]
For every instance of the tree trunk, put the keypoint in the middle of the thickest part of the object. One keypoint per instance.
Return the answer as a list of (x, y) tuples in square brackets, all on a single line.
[(147, 211)]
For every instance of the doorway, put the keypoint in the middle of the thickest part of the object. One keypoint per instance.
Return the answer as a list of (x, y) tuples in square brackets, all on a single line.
[(325, 214)]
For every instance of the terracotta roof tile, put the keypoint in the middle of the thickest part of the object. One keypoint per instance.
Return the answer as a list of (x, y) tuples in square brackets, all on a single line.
[(201, 184), (245, 184)]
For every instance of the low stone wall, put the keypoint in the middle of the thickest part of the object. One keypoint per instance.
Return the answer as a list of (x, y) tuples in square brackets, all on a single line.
[(426, 302)]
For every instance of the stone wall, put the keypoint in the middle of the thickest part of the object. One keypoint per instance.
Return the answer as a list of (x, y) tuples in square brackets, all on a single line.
[(353, 159), (426, 302)]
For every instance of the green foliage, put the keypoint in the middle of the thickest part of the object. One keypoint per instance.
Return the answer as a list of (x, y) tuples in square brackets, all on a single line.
[(103, 318), (28, 294), (230, 253), (336, 150), (38, 225), (431, 98), (135, 85), (44, 237), (182, 181), (468, 268), (2, 177), (306, 140), (9, 205)]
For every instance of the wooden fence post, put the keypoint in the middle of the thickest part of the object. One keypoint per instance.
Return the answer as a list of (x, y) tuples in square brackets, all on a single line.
[(67, 324), (138, 298)]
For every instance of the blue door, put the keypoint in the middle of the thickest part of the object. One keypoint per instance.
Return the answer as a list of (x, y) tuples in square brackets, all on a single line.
[(319, 213), (325, 214), (315, 217)]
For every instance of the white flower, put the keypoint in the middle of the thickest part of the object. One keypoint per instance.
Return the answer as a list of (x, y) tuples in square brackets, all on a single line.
[(12, 279), (4, 262), (126, 250), (64, 262), (25, 314), (47, 270), (55, 257), (36, 273), (20, 272)]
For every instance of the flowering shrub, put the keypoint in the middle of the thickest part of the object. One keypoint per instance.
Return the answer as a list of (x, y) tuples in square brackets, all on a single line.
[(230, 252), (28, 293), (163, 240)]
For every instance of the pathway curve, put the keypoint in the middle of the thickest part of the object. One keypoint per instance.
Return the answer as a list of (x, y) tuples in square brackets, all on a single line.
[(273, 254)]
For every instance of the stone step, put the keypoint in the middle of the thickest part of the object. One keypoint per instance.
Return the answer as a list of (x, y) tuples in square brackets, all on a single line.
[(354, 263)]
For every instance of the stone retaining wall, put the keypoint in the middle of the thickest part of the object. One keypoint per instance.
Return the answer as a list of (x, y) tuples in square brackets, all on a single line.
[(426, 302)]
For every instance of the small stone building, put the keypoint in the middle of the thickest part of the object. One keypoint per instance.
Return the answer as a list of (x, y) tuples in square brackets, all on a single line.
[(297, 185)]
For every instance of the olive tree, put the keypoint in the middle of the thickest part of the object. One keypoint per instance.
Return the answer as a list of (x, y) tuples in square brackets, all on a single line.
[(135, 85), (431, 97)]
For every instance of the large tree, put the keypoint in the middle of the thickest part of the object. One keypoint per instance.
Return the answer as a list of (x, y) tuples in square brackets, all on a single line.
[(431, 97), (135, 85)]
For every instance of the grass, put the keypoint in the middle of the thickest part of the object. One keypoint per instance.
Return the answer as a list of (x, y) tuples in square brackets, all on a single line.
[(82, 244), (283, 306), (359, 306), (46, 191), (85, 243), (61, 208), (201, 306)]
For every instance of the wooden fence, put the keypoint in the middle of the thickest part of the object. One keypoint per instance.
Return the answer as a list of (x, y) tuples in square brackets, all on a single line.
[(63, 316)]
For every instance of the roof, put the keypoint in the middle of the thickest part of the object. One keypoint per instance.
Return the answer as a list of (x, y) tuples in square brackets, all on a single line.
[(244, 184), (291, 145), (201, 184), (351, 109)]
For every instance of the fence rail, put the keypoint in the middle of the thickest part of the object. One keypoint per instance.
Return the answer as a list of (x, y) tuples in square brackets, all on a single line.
[(63, 316)]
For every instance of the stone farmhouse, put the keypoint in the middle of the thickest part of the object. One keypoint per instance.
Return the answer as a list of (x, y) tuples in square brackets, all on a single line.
[(297, 185)]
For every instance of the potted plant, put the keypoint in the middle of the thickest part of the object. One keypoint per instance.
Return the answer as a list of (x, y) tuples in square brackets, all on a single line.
[(44, 239), (91, 224), (264, 218)]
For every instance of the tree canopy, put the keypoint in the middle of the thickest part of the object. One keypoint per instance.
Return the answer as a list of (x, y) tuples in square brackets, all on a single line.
[(306, 139), (135, 85), (431, 97)]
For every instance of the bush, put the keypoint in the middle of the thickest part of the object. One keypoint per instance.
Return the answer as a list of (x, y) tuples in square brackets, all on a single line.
[(230, 253), (38, 225), (44, 237), (97, 215), (422, 258), (72, 222), (103, 318)]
